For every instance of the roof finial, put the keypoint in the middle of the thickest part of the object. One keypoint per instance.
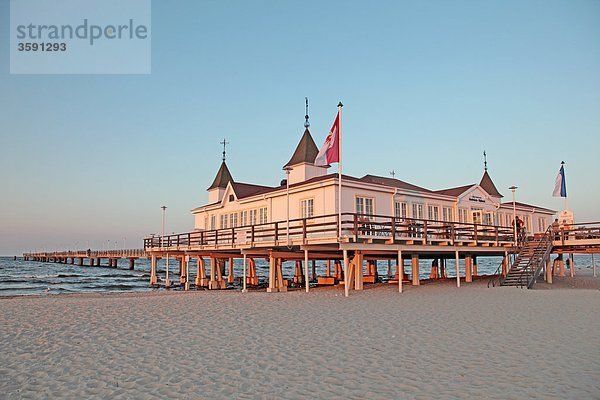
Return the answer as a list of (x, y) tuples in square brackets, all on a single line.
[(484, 161), (393, 174), (306, 123), (224, 143)]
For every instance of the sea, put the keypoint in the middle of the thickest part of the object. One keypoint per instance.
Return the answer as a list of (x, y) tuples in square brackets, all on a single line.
[(22, 278)]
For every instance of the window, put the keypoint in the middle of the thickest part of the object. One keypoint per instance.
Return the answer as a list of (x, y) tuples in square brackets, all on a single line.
[(447, 214), (417, 211), (233, 220), (462, 215), (223, 221), (243, 218), (213, 222), (541, 224), (399, 209), (307, 208), (487, 218), (433, 212), (252, 217), (364, 205), (262, 215), (231, 197)]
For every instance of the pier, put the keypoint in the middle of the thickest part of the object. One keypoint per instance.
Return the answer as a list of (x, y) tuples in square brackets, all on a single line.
[(88, 257), (350, 260)]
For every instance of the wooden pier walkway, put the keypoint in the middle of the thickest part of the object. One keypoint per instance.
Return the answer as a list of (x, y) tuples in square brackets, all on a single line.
[(88, 257), (365, 239)]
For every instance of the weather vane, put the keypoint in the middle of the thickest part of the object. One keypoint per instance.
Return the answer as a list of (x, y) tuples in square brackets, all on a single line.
[(484, 160), (224, 143), (393, 174), (306, 123)]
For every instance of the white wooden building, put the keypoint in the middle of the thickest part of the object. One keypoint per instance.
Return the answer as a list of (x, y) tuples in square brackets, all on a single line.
[(313, 192)]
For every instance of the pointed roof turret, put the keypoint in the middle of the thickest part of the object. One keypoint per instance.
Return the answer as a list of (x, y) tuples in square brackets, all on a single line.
[(305, 152), (223, 177), (487, 185)]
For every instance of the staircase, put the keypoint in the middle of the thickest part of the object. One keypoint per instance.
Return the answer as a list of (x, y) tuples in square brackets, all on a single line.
[(530, 261)]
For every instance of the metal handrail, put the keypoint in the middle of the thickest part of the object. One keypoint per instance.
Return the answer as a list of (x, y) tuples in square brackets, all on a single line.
[(533, 275)]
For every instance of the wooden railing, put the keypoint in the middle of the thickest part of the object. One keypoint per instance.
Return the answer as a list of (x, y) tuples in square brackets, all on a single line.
[(125, 253), (581, 231), (355, 227)]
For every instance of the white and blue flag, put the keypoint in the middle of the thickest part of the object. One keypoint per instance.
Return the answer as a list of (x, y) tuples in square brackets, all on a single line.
[(560, 186)]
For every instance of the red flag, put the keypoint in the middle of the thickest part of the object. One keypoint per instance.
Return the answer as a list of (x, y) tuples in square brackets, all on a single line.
[(330, 151)]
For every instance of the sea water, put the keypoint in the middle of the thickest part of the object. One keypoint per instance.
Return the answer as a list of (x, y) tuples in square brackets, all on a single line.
[(18, 277)]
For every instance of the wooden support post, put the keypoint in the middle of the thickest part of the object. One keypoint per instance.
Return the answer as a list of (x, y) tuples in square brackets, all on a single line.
[(415, 270), (252, 277), (280, 283), (201, 279), (244, 283), (213, 283), (358, 270), (81, 261), (548, 271), (593, 266), (434, 274), (505, 264), (346, 272), (298, 275), (153, 278), (474, 268), (328, 265), (389, 271), (468, 268), (131, 263), (167, 280), (572, 265), (230, 276), (272, 288), (306, 283), (182, 272), (400, 270), (457, 260), (314, 270), (186, 282), (220, 269), (443, 274)]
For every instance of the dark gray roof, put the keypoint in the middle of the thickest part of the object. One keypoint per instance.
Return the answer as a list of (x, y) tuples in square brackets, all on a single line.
[(455, 191), (306, 151), (223, 177), (397, 183), (487, 185)]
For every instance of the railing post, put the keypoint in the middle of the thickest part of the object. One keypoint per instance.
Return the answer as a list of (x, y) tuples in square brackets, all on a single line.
[(393, 229), (355, 228), (425, 232), (497, 234), (201, 238), (276, 232), (252, 236), (304, 231), (475, 233), (216, 237), (189, 235)]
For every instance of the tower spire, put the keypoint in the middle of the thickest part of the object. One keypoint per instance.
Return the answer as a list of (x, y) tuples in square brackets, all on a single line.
[(484, 161), (306, 123), (224, 143)]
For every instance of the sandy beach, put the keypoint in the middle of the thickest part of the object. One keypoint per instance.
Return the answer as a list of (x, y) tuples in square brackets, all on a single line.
[(432, 341)]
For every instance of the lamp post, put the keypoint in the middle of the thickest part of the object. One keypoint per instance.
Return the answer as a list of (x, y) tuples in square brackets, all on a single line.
[(162, 240), (513, 190), (287, 189)]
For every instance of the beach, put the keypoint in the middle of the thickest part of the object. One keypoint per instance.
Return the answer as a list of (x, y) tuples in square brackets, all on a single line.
[(432, 341)]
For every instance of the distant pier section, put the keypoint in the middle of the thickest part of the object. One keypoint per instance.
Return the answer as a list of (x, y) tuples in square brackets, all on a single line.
[(89, 257)]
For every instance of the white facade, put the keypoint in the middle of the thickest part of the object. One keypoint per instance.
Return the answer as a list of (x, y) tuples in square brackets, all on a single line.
[(313, 194)]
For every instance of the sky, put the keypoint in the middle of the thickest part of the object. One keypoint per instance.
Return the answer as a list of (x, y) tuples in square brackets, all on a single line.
[(88, 160)]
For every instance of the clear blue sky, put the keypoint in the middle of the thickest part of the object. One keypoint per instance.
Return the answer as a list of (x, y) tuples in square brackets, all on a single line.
[(427, 86)]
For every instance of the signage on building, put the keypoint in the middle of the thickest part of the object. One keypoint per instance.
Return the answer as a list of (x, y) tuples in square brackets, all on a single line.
[(476, 199)]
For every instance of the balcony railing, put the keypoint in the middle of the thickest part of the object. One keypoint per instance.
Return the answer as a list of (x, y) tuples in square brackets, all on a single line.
[(324, 228)]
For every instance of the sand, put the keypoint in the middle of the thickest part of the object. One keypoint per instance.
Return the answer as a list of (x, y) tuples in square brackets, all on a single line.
[(433, 341)]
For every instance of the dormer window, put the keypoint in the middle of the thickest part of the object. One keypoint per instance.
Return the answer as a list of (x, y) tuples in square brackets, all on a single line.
[(231, 198)]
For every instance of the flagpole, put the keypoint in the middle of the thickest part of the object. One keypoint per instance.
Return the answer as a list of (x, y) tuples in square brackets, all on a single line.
[(340, 105)]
